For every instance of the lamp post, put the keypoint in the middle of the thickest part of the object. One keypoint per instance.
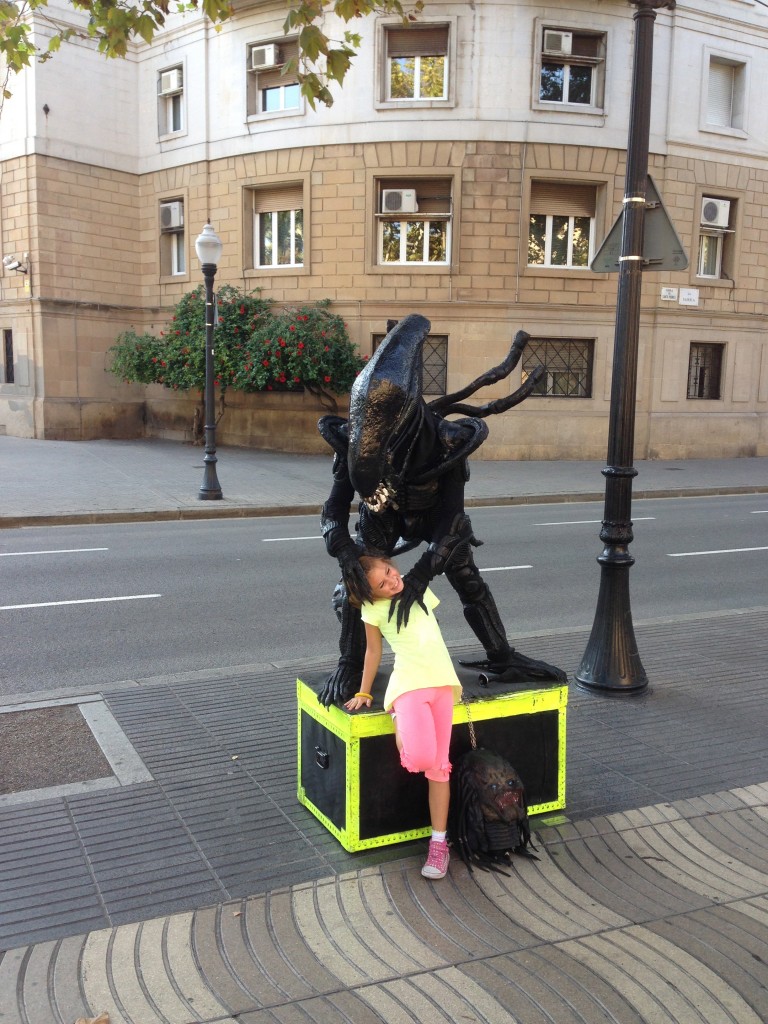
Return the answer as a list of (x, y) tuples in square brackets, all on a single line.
[(208, 248), (611, 663)]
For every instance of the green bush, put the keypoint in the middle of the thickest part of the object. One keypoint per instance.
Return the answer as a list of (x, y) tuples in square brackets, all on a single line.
[(255, 348)]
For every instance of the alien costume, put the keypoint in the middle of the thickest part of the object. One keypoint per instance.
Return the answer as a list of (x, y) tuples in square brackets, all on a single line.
[(409, 465)]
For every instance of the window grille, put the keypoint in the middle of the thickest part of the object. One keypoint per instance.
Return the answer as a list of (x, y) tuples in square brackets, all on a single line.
[(705, 365), (8, 356), (435, 363), (567, 366)]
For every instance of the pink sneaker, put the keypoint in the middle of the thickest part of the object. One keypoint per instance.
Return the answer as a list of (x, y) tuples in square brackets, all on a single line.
[(436, 865)]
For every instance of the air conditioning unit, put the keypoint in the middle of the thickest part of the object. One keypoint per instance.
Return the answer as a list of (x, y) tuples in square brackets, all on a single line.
[(715, 212), (399, 200), (172, 215), (170, 82), (557, 42), (263, 57)]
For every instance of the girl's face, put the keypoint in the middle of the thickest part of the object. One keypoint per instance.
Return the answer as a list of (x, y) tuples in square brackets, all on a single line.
[(385, 580)]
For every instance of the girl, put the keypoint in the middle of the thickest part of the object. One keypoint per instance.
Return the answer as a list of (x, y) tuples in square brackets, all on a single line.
[(420, 694)]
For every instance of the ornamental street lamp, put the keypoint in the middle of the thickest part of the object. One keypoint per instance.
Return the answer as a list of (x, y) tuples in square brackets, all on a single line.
[(208, 248), (611, 663)]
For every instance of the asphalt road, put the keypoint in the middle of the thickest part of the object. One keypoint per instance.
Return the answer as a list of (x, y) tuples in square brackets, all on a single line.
[(85, 606)]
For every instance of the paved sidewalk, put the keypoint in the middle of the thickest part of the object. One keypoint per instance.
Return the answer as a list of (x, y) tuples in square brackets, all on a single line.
[(205, 893), (82, 481)]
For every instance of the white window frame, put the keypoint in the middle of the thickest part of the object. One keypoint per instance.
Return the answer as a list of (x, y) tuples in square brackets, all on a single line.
[(719, 235), (740, 93), (281, 90), (416, 80), (548, 237), (597, 86), (438, 188), (167, 105), (403, 261), (274, 265), (173, 245)]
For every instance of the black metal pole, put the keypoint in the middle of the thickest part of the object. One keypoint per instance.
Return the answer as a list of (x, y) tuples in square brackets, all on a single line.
[(210, 489), (611, 663)]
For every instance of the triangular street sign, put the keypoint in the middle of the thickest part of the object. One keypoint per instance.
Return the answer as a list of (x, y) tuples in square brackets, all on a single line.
[(662, 248)]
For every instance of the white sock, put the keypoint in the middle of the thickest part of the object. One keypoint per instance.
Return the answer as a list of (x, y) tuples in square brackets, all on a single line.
[(438, 836)]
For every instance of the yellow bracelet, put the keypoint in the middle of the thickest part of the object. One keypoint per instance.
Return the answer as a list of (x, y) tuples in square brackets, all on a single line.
[(365, 696)]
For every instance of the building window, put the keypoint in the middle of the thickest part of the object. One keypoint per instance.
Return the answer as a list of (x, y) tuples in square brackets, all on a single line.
[(705, 366), (278, 226), (716, 237), (170, 100), (567, 366), (434, 363), (561, 224), (572, 67), (417, 63), (8, 374), (725, 93), (270, 90), (414, 221), (173, 251)]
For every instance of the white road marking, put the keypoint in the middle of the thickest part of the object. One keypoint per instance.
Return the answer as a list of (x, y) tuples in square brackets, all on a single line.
[(274, 540), (722, 551), (504, 568), (590, 522), (760, 512), (85, 600), (58, 551)]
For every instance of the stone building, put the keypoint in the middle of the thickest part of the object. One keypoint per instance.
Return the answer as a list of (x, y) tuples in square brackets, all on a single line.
[(468, 171)]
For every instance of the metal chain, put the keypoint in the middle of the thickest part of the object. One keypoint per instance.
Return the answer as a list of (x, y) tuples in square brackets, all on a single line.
[(470, 723)]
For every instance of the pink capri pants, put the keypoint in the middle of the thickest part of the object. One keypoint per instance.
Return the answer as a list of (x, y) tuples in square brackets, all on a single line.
[(424, 722)]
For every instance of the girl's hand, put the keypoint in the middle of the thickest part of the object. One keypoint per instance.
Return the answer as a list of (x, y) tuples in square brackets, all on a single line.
[(360, 700)]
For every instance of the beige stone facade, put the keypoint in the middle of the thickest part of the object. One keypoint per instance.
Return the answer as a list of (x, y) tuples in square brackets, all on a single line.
[(95, 269)]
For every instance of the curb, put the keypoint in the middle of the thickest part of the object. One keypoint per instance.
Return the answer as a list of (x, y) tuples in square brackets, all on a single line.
[(214, 511)]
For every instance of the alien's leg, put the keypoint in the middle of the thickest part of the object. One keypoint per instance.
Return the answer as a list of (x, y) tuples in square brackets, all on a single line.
[(503, 664)]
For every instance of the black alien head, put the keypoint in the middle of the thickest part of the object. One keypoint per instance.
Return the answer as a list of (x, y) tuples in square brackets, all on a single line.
[(386, 408)]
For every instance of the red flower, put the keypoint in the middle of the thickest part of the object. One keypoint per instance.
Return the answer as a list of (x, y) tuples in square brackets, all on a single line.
[(300, 346), (282, 342), (177, 332), (265, 362), (269, 387), (327, 348), (242, 309), (281, 378), (296, 380), (327, 380), (322, 334), (292, 327), (154, 359)]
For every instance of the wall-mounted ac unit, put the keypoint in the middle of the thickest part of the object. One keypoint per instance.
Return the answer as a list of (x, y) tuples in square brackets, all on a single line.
[(715, 212), (399, 200), (170, 82), (557, 42), (171, 215), (263, 57)]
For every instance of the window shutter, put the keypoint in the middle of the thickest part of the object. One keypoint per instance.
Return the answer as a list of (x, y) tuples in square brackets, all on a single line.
[(720, 94), (433, 195), (424, 41), (561, 198), (273, 77), (281, 197)]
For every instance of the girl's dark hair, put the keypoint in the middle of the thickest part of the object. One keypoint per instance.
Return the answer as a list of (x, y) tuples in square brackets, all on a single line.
[(367, 562)]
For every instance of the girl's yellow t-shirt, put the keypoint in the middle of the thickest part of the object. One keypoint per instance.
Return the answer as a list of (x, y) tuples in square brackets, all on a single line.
[(421, 657)]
